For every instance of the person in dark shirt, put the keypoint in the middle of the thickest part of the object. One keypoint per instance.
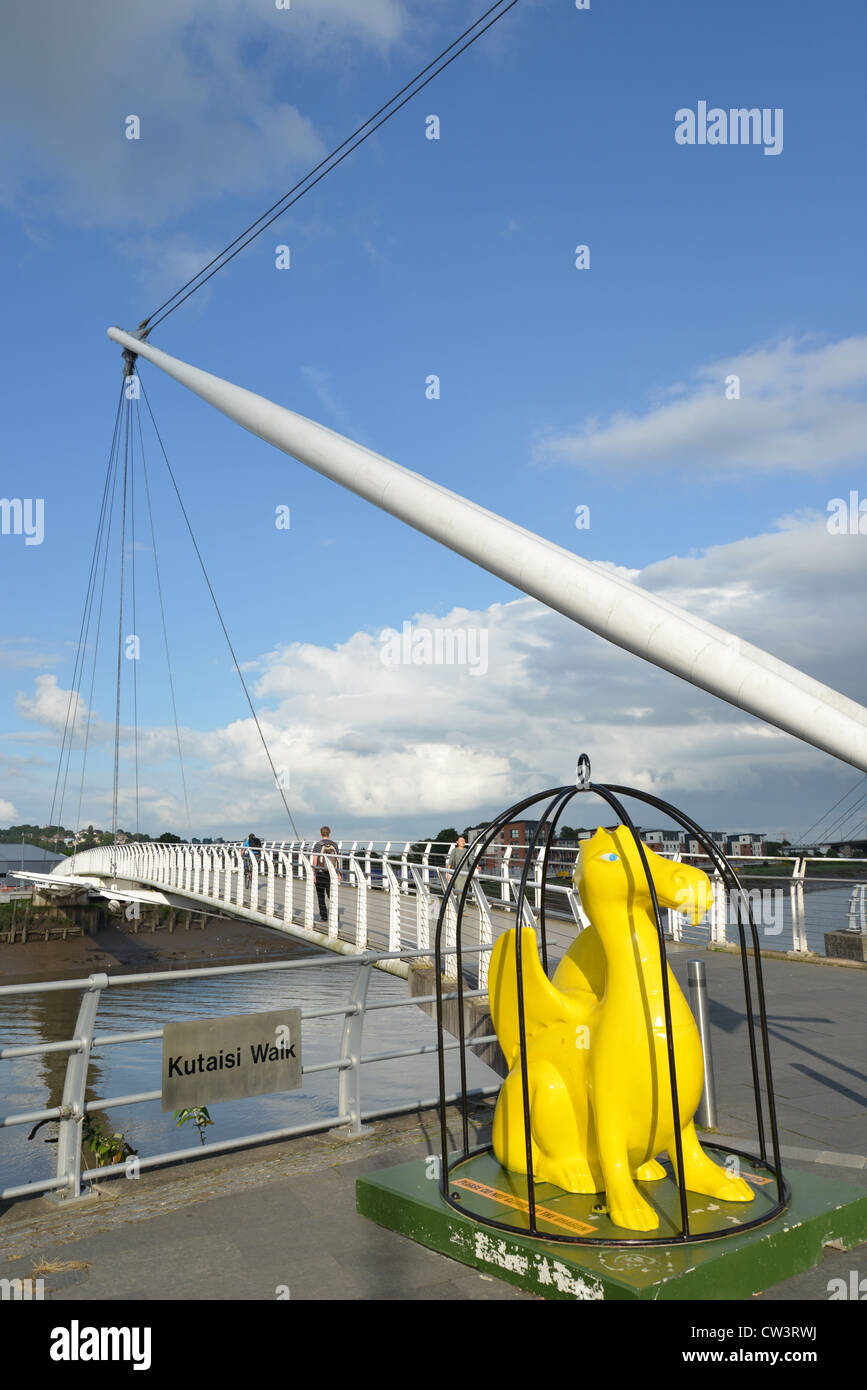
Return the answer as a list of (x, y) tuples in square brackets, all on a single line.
[(324, 849), (252, 848)]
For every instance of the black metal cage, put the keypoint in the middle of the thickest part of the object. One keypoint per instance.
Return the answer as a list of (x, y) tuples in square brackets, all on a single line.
[(555, 801)]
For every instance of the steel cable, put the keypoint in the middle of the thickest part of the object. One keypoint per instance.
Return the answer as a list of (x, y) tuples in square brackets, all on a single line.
[(84, 629), (283, 204), (220, 617)]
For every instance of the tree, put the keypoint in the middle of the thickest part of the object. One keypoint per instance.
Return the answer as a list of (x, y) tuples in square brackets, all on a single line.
[(444, 838)]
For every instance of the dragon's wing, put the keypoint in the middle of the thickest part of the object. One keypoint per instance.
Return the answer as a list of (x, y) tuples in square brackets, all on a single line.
[(544, 1004)]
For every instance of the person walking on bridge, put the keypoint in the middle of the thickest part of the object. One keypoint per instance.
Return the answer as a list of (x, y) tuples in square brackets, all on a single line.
[(453, 858), (323, 850), (252, 850)]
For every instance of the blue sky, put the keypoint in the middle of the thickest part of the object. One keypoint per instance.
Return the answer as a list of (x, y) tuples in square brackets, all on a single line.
[(559, 387)]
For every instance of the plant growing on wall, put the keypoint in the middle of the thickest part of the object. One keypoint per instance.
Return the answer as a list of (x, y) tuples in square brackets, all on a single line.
[(106, 1147), (198, 1114)]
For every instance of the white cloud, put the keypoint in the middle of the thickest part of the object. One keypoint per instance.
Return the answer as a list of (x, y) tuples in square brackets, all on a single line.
[(8, 812), (380, 21), (50, 706), (17, 652), (210, 81), (802, 406), (373, 748), (163, 264)]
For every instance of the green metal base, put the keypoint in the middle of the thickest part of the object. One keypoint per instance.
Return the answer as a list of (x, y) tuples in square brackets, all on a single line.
[(407, 1199)]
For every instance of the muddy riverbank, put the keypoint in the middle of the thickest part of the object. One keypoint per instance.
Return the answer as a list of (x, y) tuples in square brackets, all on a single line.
[(116, 949)]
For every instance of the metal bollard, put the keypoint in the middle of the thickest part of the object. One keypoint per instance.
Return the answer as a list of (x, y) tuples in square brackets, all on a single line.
[(706, 1113)]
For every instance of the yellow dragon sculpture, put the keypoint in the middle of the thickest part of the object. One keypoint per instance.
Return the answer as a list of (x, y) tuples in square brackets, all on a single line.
[(597, 1055)]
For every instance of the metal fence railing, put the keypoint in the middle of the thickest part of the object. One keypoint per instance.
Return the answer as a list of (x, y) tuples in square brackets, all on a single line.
[(348, 1065), (385, 896)]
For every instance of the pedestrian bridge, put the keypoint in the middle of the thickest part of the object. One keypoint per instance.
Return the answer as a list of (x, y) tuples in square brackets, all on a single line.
[(379, 900), (385, 897)]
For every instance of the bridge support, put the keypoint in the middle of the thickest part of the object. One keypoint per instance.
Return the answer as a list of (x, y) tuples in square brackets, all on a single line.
[(605, 603), (477, 1016)]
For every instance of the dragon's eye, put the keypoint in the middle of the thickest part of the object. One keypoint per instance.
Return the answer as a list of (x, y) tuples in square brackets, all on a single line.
[(613, 858)]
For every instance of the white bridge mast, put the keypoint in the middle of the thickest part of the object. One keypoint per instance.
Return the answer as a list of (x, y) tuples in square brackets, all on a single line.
[(620, 611)]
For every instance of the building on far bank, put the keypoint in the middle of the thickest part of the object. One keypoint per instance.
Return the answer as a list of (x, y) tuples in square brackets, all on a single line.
[(516, 838), (842, 849), (736, 843), (27, 858), (517, 835)]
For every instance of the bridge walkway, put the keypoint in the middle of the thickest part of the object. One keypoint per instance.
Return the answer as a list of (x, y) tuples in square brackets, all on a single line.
[(386, 913)]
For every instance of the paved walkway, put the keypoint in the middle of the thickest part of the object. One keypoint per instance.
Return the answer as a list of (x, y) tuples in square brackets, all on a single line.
[(283, 1217), (241, 1227), (816, 1021)]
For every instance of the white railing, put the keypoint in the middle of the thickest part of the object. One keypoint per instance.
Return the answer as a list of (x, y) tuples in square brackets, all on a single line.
[(385, 894)]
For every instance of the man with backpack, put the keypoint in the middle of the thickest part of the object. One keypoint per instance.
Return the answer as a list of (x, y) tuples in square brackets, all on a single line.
[(323, 850)]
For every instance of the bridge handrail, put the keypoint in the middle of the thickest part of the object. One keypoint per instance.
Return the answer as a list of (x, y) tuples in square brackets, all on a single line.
[(290, 852), (214, 874), (71, 1112)]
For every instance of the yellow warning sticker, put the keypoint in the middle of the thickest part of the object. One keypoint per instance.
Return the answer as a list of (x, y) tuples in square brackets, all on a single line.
[(506, 1199)]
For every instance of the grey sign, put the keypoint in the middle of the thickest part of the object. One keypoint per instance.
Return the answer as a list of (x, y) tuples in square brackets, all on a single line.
[(228, 1058)]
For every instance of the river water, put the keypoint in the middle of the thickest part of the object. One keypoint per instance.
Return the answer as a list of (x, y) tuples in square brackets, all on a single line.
[(825, 909)]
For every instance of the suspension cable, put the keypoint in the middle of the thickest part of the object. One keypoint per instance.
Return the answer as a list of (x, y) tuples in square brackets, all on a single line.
[(842, 822), (83, 632), (220, 617), (135, 655), (163, 621), (825, 814), (858, 833), (89, 705), (410, 89), (120, 627), (331, 161)]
